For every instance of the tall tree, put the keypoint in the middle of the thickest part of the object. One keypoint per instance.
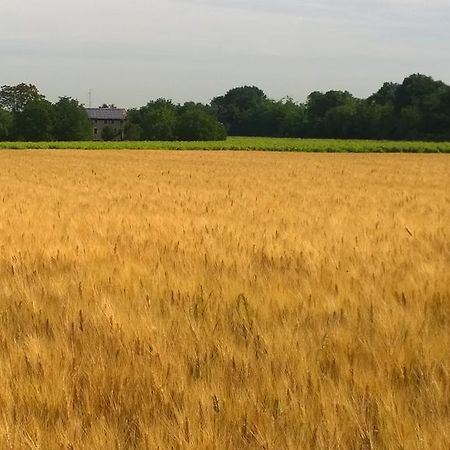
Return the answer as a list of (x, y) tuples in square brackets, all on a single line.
[(421, 108), (195, 122), (6, 122), (320, 120), (416, 89), (71, 121), (15, 98), (237, 109), (385, 95), (108, 133), (36, 121), (158, 120)]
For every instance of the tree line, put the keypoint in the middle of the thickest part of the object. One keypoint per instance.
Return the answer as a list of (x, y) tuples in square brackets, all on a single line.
[(416, 109), (163, 120), (26, 115)]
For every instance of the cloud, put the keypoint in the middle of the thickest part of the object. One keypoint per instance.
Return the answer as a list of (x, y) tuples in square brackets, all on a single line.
[(195, 49)]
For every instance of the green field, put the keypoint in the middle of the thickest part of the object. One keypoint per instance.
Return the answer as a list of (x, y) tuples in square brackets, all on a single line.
[(249, 143)]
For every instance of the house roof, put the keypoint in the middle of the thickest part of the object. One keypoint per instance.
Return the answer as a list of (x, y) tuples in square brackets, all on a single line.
[(106, 113)]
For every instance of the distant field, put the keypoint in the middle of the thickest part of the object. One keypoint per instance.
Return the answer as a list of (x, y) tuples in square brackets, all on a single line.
[(200, 300), (244, 143)]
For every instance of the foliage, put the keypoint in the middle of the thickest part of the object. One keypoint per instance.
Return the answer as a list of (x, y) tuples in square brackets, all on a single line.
[(6, 122), (329, 114), (250, 144), (16, 98), (108, 133), (71, 121), (164, 120), (195, 122), (133, 131), (36, 121), (157, 120), (385, 95), (416, 109), (237, 110)]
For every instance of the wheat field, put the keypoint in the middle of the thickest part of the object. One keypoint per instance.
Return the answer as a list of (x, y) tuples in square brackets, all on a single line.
[(224, 300)]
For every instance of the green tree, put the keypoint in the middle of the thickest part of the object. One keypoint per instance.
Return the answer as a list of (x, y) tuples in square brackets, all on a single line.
[(385, 95), (196, 123), (133, 132), (318, 106), (439, 124), (36, 121), (293, 120), (415, 89), (108, 133), (133, 128), (421, 111), (338, 122), (158, 120), (71, 121), (415, 109), (15, 98), (6, 122), (283, 118), (319, 103), (366, 121), (238, 109)]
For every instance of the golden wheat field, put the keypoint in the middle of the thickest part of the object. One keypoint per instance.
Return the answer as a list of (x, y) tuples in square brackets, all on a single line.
[(224, 300)]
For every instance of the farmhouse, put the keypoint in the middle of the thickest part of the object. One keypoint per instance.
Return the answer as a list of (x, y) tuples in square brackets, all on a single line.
[(108, 122)]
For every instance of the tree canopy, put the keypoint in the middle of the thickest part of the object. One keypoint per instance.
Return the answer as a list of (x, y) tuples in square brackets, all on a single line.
[(71, 121), (238, 109), (416, 109), (15, 98), (6, 121), (36, 121), (163, 120)]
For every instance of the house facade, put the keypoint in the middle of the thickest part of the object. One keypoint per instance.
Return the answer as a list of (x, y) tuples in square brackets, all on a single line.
[(108, 122)]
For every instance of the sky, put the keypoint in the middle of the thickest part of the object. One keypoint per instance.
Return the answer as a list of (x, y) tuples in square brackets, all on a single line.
[(130, 52)]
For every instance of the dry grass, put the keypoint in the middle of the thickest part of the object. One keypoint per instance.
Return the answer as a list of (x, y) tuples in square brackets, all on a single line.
[(224, 301)]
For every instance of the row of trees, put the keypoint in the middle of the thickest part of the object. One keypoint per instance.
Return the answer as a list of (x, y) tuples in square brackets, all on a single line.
[(163, 120), (417, 108), (25, 114)]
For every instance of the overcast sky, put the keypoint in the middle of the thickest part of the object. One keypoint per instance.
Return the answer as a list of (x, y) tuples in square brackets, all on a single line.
[(129, 52)]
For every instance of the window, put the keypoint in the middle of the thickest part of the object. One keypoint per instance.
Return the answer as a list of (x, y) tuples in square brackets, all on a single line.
[(95, 131), (105, 121)]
